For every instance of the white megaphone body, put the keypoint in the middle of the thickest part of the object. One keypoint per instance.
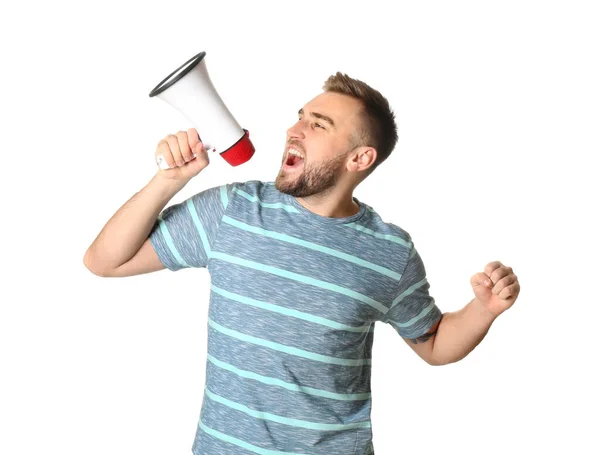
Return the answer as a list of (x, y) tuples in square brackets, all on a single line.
[(190, 90)]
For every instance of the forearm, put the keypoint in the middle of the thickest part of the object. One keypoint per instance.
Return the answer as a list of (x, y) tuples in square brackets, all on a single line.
[(128, 228), (460, 332)]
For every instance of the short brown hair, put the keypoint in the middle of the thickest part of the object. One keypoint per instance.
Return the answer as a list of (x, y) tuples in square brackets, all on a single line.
[(379, 126)]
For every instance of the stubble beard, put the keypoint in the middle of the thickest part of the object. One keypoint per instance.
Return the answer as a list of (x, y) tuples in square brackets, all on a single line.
[(312, 179)]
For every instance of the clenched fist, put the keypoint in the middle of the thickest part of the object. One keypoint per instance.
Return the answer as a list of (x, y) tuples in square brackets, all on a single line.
[(497, 287), (184, 153)]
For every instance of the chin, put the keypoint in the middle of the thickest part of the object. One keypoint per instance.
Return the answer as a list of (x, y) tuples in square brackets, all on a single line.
[(282, 184), (285, 184), (294, 189)]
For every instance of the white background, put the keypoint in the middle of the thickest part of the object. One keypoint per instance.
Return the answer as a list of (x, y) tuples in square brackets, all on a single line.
[(498, 113)]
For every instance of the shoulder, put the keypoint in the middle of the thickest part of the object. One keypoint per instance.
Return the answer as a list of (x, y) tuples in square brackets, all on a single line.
[(251, 186), (384, 228), (256, 190), (222, 193), (250, 190), (248, 186)]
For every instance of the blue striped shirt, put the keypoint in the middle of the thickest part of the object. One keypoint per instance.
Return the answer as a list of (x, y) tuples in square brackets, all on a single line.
[(293, 304)]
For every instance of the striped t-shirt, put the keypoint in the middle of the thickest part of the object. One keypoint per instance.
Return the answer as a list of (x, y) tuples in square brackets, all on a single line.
[(293, 304)]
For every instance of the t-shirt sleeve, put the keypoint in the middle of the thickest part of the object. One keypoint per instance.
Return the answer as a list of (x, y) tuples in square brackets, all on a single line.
[(184, 233), (413, 311)]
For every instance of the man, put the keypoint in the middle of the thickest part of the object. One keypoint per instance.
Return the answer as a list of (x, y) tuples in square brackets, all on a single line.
[(300, 272)]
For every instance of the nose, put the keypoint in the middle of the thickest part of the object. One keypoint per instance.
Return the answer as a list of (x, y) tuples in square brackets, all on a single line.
[(296, 131)]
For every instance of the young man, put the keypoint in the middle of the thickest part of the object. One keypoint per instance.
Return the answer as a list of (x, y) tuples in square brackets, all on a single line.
[(300, 272)]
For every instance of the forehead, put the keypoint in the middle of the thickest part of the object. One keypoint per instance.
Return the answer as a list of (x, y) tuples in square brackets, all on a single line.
[(343, 109)]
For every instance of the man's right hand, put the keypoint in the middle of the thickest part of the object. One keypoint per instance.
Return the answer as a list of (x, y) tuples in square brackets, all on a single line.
[(178, 151)]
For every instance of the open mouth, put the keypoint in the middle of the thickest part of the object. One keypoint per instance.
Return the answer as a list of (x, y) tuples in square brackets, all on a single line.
[(293, 161)]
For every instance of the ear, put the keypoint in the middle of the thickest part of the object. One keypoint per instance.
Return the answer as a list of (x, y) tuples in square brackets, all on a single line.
[(362, 158)]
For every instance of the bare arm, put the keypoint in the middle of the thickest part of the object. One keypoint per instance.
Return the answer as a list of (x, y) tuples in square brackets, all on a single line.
[(454, 336), (496, 289), (122, 248), (460, 332), (423, 345), (127, 230)]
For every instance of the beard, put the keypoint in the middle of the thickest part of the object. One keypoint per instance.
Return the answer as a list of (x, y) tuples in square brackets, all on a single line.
[(312, 179)]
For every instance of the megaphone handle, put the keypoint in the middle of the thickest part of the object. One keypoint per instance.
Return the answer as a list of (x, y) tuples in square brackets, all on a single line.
[(164, 165)]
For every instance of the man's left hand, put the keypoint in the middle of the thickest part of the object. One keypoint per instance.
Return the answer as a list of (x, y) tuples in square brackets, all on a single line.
[(497, 287)]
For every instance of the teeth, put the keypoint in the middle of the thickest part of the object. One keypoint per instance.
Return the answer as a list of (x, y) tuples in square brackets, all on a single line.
[(295, 152)]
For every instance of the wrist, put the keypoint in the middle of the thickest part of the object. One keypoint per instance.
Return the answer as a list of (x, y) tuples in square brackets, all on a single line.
[(164, 188), (483, 311)]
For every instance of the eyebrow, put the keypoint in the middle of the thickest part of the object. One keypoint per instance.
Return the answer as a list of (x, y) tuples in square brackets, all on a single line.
[(319, 116)]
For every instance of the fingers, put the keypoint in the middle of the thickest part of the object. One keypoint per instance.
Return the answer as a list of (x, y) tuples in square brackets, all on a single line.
[(193, 139), (496, 271), (184, 148), (180, 148), (510, 291), (479, 279), (489, 269), (177, 146), (163, 149), (503, 283)]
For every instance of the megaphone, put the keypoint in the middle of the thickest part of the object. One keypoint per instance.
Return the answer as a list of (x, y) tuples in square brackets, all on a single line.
[(190, 90)]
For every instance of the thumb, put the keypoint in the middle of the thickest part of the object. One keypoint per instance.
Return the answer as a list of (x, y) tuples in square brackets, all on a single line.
[(482, 286), (201, 155)]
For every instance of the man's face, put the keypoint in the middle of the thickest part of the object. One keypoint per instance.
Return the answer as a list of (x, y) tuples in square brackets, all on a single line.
[(323, 136)]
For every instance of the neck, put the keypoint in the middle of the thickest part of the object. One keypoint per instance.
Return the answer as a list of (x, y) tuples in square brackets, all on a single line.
[(330, 205)]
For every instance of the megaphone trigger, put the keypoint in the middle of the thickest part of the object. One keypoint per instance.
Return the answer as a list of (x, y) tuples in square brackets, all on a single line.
[(161, 163)]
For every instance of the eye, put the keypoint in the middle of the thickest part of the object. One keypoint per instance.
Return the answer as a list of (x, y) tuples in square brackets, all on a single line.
[(318, 125)]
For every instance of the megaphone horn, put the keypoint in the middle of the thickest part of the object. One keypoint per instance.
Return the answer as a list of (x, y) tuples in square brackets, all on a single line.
[(190, 90)]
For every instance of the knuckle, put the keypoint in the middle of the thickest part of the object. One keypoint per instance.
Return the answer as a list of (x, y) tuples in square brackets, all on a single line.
[(166, 151), (172, 141), (163, 147)]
